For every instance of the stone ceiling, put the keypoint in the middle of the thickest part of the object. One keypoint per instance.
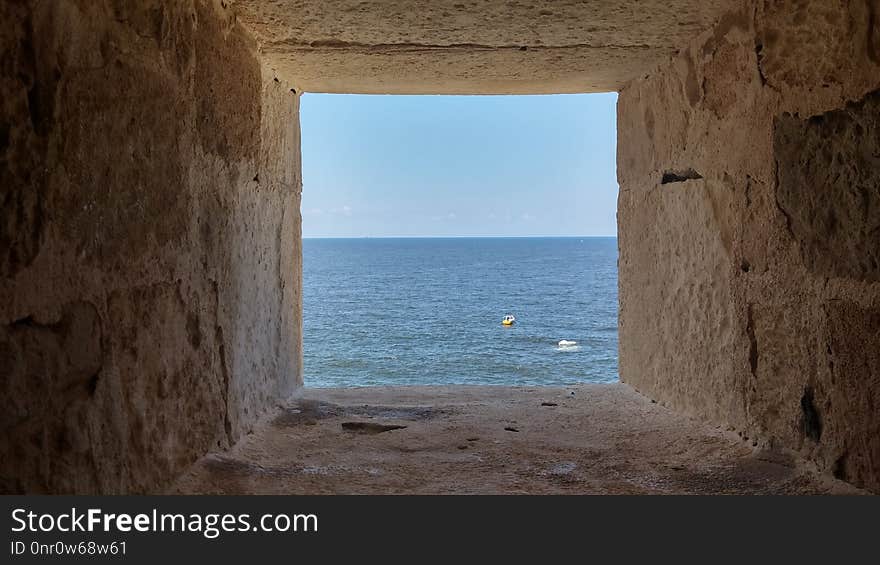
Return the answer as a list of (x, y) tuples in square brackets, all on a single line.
[(471, 46)]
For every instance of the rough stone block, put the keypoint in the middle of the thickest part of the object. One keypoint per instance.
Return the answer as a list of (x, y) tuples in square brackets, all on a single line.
[(829, 187)]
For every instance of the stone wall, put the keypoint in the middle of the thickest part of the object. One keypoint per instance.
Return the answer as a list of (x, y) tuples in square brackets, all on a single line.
[(478, 47), (149, 241), (749, 224)]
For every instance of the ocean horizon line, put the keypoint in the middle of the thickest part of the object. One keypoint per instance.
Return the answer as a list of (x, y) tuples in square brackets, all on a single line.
[(459, 237)]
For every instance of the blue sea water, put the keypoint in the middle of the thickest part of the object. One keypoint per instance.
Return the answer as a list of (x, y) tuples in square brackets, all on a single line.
[(428, 311)]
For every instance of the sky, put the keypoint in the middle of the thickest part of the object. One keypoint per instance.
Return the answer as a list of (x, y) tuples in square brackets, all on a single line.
[(441, 166)]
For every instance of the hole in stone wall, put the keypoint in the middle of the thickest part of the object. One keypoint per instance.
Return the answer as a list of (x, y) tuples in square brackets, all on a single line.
[(93, 383), (839, 470), (680, 176), (811, 423), (427, 219), (4, 139)]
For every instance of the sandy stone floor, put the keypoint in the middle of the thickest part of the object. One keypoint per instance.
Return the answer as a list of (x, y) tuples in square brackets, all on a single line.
[(591, 439)]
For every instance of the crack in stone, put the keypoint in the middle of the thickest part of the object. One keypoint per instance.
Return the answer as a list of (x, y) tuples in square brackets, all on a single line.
[(782, 210), (753, 342), (335, 44), (872, 16), (224, 368)]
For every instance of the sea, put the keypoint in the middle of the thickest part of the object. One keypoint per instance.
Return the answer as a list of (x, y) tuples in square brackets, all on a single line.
[(428, 311)]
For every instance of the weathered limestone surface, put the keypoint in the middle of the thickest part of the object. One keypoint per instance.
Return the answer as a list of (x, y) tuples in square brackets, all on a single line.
[(471, 46), (749, 225), (149, 241), (587, 439), (150, 277)]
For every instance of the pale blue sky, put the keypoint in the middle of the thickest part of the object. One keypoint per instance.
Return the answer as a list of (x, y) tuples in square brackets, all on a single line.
[(459, 165)]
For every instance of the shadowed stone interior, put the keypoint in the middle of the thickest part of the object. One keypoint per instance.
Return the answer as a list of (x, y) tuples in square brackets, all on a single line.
[(747, 295), (829, 187), (150, 242)]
